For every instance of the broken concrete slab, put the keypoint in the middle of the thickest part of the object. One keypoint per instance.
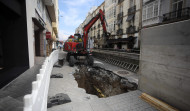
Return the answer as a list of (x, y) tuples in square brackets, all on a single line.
[(58, 99)]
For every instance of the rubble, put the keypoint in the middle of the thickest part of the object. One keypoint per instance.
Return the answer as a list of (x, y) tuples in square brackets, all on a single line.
[(58, 99), (102, 82), (59, 75)]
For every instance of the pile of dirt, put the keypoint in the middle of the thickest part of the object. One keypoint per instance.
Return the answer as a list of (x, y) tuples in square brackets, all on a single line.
[(101, 82)]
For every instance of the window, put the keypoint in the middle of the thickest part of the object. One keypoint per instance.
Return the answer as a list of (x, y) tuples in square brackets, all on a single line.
[(177, 5), (121, 9), (39, 5), (120, 26), (131, 3), (155, 9), (114, 26), (114, 11), (113, 1), (144, 14), (150, 11)]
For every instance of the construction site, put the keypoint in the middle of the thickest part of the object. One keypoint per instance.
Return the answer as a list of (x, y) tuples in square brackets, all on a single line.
[(95, 55)]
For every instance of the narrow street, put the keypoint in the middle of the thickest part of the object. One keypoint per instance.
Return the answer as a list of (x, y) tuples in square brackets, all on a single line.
[(94, 55)]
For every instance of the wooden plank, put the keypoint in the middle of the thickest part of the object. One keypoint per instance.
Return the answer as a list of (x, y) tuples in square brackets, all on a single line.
[(158, 104)]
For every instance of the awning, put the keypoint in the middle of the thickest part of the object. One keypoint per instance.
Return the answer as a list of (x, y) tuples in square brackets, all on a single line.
[(38, 23), (119, 21), (130, 17)]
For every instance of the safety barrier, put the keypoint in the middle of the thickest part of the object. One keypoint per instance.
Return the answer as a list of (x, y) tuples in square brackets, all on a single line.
[(37, 100)]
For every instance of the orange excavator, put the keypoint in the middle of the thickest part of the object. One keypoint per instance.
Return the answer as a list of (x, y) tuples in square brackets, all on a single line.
[(76, 45)]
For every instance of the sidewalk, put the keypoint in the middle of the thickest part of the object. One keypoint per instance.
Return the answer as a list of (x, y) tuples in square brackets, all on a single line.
[(11, 96), (81, 101)]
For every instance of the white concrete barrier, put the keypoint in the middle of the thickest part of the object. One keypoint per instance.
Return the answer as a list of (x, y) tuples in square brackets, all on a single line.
[(37, 100)]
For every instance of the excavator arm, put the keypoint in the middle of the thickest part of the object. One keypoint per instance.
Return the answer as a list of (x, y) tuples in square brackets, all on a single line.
[(100, 16)]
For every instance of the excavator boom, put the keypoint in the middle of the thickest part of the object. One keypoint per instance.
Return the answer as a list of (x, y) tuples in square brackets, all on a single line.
[(87, 27)]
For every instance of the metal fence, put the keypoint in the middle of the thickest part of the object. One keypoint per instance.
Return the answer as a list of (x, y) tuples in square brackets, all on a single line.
[(137, 51)]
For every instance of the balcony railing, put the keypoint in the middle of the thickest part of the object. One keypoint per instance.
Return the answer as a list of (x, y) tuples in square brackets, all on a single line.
[(119, 31), (132, 10), (131, 30), (120, 15), (120, 1), (177, 15)]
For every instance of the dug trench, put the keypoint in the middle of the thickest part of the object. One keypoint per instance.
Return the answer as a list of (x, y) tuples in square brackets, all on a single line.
[(102, 82)]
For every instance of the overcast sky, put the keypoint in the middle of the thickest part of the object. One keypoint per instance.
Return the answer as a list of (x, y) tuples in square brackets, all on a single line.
[(72, 13)]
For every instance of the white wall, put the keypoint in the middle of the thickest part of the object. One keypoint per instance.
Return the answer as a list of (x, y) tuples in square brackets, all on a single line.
[(164, 63), (30, 12)]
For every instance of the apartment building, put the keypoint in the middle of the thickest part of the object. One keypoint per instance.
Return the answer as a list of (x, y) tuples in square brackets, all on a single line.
[(128, 24), (42, 24), (23, 34), (158, 11)]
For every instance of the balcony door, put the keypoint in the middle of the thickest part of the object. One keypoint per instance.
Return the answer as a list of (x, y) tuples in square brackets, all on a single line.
[(177, 6)]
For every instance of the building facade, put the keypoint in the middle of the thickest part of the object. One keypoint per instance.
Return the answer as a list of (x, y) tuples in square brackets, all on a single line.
[(23, 34), (42, 25), (128, 24), (123, 19)]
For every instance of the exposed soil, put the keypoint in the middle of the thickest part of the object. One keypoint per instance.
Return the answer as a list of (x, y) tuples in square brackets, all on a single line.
[(101, 82)]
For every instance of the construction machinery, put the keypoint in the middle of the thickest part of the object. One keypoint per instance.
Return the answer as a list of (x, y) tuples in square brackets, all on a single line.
[(76, 45)]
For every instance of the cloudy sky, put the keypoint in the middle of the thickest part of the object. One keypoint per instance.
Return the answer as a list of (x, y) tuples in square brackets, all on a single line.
[(72, 13)]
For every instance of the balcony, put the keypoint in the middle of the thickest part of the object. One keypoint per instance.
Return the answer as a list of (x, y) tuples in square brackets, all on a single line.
[(120, 15), (131, 30), (98, 36), (49, 2), (55, 28), (132, 10), (119, 31), (51, 9), (177, 15), (120, 1)]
